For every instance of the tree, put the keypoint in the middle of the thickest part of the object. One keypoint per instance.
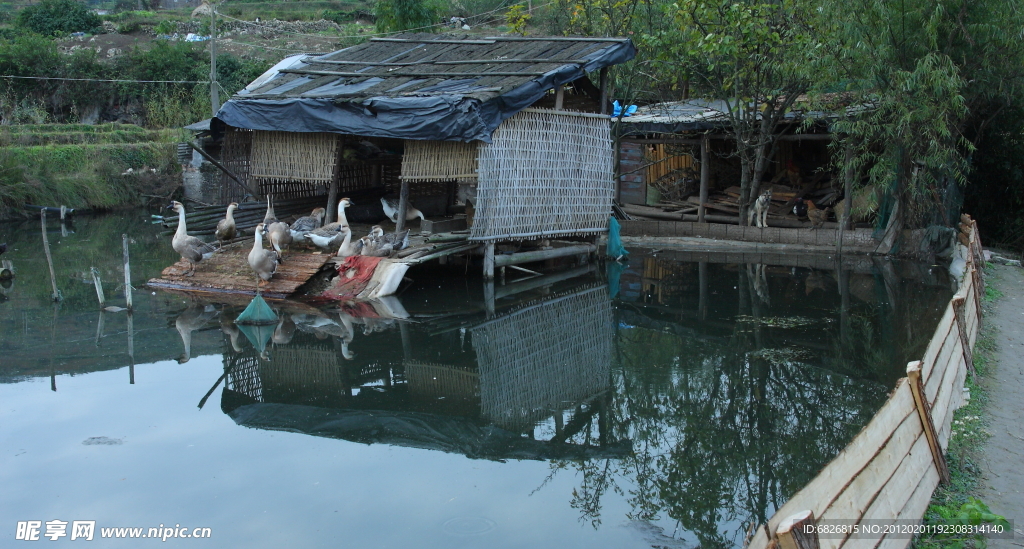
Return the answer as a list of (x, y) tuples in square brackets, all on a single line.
[(752, 58), (53, 17), (400, 15)]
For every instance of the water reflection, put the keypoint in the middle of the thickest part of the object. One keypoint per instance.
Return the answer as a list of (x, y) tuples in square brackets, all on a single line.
[(687, 407)]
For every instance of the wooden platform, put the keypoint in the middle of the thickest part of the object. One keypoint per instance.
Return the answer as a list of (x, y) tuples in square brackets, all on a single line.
[(228, 272)]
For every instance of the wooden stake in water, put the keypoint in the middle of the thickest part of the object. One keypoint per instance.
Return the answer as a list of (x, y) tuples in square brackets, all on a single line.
[(131, 344), (99, 286), (127, 274), (49, 259)]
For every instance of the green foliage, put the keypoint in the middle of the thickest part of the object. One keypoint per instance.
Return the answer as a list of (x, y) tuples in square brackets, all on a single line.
[(399, 15), (516, 18), (972, 513), (53, 17)]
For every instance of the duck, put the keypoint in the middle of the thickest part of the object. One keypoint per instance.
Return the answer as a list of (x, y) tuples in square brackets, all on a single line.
[(270, 216), (348, 248), (307, 223), (398, 241), (330, 235), (226, 227), (375, 247), (280, 236), (191, 248), (391, 210), (263, 262)]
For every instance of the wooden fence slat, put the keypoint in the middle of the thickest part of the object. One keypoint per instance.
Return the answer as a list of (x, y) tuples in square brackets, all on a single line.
[(949, 346), (935, 345), (955, 401), (914, 509), (760, 539), (821, 491), (895, 494), (856, 498), (948, 390)]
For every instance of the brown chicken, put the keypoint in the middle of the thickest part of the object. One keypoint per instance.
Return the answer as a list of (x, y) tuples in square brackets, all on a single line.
[(816, 215)]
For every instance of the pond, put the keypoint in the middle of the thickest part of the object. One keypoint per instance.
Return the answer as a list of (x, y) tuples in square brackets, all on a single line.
[(671, 402)]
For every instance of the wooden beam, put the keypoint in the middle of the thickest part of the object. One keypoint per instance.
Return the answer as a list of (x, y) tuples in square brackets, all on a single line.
[(332, 193), (429, 41), (604, 89), (408, 74), (793, 534), (924, 411), (464, 62), (959, 303), (489, 261), (559, 97), (551, 39), (403, 206), (705, 178)]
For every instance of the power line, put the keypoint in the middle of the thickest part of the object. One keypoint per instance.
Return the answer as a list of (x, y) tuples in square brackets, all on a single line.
[(108, 80)]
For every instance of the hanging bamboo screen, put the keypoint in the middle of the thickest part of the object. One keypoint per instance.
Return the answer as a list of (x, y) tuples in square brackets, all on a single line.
[(292, 156), (235, 153), (544, 358), (546, 173), (439, 161)]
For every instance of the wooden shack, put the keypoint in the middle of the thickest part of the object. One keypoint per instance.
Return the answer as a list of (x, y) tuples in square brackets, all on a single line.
[(509, 129)]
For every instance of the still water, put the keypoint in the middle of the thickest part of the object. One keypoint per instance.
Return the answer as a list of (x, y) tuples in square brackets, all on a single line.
[(670, 403)]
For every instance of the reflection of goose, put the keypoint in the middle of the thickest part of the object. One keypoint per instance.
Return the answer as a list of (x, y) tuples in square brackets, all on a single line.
[(284, 331), (327, 326), (330, 234), (190, 320), (391, 210), (303, 225), (228, 327), (263, 262), (226, 227), (191, 248)]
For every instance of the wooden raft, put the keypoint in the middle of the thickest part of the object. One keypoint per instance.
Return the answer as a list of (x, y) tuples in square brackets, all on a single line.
[(228, 272)]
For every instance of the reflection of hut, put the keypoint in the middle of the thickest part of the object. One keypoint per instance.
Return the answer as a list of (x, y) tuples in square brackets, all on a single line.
[(438, 118), (544, 358)]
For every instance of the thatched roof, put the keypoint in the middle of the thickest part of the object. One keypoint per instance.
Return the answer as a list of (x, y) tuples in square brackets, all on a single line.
[(458, 87)]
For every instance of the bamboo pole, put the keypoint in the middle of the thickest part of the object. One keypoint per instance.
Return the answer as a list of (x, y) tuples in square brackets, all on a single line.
[(924, 411), (489, 261), (127, 274), (49, 259), (527, 257), (705, 178), (98, 284)]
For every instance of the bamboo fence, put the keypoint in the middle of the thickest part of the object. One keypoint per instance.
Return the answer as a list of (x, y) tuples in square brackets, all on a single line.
[(890, 469), (546, 173), (292, 156), (439, 161)]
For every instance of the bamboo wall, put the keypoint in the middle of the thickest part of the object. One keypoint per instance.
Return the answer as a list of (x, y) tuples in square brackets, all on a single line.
[(893, 465)]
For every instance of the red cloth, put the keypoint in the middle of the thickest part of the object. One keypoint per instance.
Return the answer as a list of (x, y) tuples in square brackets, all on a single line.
[(353, 275)]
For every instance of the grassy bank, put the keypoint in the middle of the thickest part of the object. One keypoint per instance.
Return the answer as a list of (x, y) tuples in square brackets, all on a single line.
[(957, 503), (92, 174)]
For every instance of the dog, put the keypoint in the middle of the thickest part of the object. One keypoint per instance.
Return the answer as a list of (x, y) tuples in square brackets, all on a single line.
[(759, 213)]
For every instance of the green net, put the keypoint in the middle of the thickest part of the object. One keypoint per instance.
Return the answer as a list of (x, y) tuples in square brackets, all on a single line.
[(258, 312)]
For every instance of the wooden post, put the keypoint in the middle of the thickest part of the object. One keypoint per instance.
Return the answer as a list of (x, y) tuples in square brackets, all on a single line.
[(406, 341), (844, 222), (705, 177), (131, 345), (559, 97), (332, 194), (49, 260), (959, 306), (99, 286), (127, 274), (214, 92), (604, 90), (924, 411), (489, 261), (489, 297), (702, 300), (403, 206), (99, 328), (792, 532)]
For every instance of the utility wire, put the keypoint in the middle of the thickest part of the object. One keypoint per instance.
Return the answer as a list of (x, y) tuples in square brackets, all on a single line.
[(108, 80)]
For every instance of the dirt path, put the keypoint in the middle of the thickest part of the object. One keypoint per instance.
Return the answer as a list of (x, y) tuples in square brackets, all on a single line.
[(1002, 485)]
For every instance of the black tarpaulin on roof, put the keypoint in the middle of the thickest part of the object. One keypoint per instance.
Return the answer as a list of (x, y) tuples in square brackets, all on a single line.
[(445, 115)]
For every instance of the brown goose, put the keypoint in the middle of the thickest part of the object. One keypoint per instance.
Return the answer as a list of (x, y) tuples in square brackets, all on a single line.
[(191, 248), (280, 237), (270, 217), (226, 227), (303, 225)]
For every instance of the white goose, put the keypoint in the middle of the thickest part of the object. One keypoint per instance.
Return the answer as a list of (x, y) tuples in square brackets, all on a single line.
[(330, 235), (263, 262), (191, 248), (391, 210), (348, 248)]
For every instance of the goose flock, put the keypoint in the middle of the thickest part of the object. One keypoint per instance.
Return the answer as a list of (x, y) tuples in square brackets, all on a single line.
[(280, 235)]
